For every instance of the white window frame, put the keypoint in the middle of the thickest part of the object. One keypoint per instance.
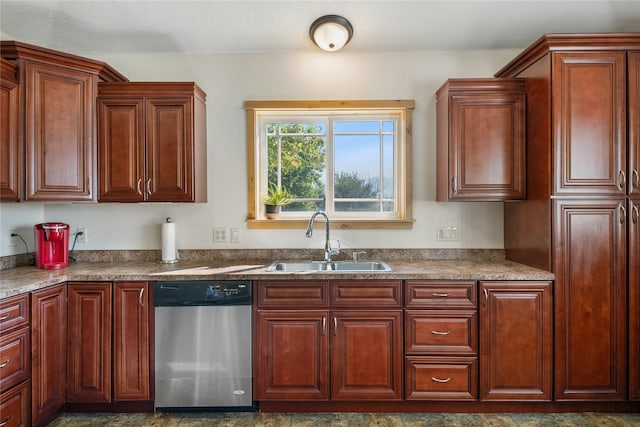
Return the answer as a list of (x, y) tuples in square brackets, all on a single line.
[(400, 111)]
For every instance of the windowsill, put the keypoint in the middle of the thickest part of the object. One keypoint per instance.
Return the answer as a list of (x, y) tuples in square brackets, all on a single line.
[(337, 224)]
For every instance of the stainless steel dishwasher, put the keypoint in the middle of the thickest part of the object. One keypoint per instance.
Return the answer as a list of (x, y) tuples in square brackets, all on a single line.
[(203, 344)]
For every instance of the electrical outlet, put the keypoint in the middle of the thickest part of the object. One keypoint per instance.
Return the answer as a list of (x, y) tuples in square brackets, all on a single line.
[(220, 235), (235, 235), (448, 233), (82, 238), (13, 240)]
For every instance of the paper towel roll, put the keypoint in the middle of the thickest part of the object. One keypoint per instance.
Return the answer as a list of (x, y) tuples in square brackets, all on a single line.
[(168, 241)]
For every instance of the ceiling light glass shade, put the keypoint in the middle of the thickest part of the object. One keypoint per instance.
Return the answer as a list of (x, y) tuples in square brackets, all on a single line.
[(331, 32)]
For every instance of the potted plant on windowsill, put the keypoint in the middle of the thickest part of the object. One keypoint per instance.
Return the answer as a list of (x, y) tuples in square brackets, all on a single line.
[(276, 198)]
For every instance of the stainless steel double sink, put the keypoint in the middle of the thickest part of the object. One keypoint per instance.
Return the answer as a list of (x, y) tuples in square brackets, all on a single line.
[(319, 266)]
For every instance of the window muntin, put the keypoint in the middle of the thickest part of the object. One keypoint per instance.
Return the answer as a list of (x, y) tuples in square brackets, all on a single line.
[(352, 163)]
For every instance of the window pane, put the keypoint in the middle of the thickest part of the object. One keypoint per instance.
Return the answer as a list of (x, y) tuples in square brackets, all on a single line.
[(354, 206), (388, 184), (359, 126), (356, 172), (388, 126), (297, 162)]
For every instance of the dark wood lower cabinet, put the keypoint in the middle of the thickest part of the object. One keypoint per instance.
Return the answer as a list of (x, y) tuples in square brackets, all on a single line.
[(291, 355), (89, 377), (634, 300), (590, 299), (48, 353), (516, 335), (131, 341), (15, 408), (366, 355)]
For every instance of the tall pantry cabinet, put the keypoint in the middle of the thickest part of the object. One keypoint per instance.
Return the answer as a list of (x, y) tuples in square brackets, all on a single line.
[(580, 219)]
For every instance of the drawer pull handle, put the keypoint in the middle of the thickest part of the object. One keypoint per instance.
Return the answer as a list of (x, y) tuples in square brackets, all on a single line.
[(6, 421), (438, 380), (440, 333), (5, 317), (3, 364), (438, 294)]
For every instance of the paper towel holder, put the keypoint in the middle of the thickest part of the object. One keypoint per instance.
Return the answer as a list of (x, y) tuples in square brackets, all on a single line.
[(168, 220)]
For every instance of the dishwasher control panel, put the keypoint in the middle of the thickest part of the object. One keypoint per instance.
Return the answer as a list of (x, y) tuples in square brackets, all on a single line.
[(202, 292)]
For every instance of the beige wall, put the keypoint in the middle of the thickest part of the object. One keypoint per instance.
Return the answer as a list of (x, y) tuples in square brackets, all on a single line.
[(229, 80)]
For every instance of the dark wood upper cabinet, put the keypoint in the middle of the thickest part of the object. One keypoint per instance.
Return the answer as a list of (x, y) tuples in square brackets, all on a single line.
[(481, 139), (589, 123), (152, 142), (9, 138), (57, 121), (634, 123)]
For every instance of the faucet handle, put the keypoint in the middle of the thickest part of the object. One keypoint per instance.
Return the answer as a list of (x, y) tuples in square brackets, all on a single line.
[(335, 251), (356, 255)]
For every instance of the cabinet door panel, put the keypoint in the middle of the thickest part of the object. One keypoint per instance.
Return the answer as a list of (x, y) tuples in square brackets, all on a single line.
[(48, 352), (516, 336), (131, 341), (589, 123), (121, 145), (291, 357), (9, 141), (634, 123), (590, 271), (634, 300), (366, 355), (89, 376), (59, 136), (169, 133)]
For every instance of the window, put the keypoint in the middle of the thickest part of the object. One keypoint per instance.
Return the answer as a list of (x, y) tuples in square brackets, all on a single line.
[(347, 158)]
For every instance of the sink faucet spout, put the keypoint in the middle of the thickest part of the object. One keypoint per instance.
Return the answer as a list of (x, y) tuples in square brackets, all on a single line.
[(328, 252)]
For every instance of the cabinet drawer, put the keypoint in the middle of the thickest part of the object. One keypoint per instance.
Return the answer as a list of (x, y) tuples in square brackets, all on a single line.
[(14, 407), (440, 378), (441, 294), (292, 294), (366, 293), (14, 358), (14, 312), (441, 331)]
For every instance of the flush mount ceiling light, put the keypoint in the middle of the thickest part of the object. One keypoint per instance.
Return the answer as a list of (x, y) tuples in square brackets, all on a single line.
[(331, 32)]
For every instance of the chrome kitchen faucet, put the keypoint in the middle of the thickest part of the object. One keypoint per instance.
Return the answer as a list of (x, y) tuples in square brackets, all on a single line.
[(328, 252)]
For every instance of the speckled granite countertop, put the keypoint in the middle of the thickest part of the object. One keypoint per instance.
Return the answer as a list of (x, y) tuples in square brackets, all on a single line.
[(18, 280)]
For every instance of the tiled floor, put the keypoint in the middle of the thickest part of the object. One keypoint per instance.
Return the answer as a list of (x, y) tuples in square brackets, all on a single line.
[(347, 420)]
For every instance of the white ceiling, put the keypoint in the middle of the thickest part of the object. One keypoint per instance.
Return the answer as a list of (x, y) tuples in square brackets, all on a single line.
[(92, 27)]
